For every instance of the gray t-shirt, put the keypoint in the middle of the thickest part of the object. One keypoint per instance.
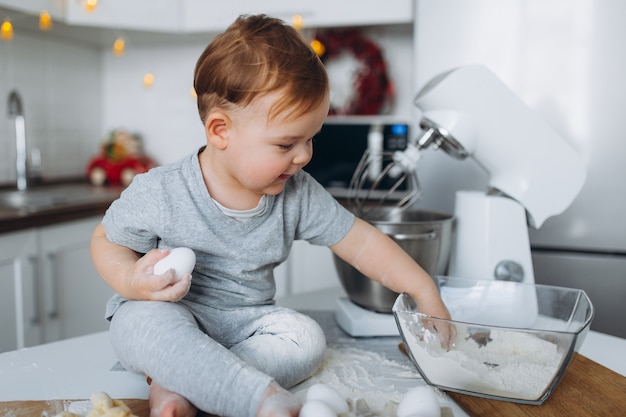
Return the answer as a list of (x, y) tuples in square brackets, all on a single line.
[(170, 207)]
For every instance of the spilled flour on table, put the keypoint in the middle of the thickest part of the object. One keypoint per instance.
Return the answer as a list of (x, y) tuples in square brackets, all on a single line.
[(372, 384), (360, 375), (80, 408), (99, 405)]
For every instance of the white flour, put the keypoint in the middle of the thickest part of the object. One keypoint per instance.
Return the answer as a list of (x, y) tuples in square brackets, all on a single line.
[(364, 376), (512, 364), (372, 384), (80, 408)]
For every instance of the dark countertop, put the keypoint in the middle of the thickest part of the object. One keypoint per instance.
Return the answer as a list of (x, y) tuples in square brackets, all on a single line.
[(94, 202)]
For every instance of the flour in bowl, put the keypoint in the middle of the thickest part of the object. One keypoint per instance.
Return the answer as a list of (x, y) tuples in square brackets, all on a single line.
[(512, 364)]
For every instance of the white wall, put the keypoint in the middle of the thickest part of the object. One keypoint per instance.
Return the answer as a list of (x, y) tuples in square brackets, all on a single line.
[(165, 115), (60, 85)]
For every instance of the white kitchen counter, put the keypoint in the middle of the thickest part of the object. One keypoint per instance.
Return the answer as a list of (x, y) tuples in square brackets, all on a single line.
[(76, 368), (70, 369)]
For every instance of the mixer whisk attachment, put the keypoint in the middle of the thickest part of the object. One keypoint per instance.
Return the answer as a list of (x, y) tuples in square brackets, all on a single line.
[(385, 179)]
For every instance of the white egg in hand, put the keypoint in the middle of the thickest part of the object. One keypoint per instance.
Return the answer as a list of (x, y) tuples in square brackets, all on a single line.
[(316, 409), (327, 395), (181, 260), (420, 401)]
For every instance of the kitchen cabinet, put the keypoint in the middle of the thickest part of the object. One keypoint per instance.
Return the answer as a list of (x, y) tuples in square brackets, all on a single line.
[(74, 295), (601, 276), (189, 16), (54, 7), (311, 268), (49, 289), (301, 271), (142, 15), (281, 278), (19, 318), (205, 16)]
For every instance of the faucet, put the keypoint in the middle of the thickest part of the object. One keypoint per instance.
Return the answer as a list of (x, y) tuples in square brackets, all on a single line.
[(16, 112)]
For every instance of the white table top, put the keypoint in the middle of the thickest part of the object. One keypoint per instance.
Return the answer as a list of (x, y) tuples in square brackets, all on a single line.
[(76, 368), (69, 369)]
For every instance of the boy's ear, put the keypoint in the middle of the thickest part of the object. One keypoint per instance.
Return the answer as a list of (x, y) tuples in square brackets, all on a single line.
[(216, 129)]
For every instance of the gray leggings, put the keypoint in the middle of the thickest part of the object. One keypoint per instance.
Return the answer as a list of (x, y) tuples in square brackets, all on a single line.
[(221, 361)]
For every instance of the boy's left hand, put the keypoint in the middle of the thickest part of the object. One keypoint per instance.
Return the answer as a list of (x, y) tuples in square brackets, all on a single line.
[(440, 324)]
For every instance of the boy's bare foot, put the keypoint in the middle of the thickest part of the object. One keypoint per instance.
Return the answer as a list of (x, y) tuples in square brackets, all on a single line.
[(278, 402), (164, 403)]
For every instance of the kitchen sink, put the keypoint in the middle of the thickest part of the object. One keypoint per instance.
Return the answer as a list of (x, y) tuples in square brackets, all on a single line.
[(54, 196)]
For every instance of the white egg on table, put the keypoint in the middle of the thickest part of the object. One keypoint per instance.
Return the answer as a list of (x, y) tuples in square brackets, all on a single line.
[(316, 408), (420, 401), (329, 396), (181, 260)]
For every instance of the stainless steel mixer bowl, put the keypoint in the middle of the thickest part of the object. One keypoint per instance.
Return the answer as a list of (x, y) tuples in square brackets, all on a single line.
[(425, 235)]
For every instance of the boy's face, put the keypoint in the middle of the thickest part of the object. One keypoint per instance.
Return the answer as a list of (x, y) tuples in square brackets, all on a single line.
[(262, 154)]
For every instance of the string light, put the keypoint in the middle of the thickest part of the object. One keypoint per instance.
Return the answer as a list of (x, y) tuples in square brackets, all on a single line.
[(148, 80), (45, 20), (297, 21), (90, 5), (119, 46), (6, 30), (318, 47)]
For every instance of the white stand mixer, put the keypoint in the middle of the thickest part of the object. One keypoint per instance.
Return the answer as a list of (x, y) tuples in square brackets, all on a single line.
[(533, 174)]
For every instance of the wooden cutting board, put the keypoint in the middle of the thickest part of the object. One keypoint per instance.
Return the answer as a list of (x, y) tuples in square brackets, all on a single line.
[(53, 407), (587, 389)]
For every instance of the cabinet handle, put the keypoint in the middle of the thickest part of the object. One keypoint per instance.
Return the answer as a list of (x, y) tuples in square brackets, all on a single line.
[(36, 319), (53, 313)]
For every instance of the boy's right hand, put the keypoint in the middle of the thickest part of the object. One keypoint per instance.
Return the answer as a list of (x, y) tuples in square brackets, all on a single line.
[(164, 287)]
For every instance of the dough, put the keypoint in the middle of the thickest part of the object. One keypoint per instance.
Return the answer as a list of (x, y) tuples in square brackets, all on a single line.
[(105, 406)]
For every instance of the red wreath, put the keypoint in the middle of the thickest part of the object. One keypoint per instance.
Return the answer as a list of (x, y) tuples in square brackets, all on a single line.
[(373, 89)]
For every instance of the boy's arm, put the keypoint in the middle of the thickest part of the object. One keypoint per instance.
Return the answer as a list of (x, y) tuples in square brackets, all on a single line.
[(131, 275), (378, 257)]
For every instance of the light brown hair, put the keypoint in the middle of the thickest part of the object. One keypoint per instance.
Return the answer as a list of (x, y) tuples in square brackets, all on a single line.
[(257, 55)]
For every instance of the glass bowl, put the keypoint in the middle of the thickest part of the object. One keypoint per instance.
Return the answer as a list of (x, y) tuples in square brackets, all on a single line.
[(513, 341)]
